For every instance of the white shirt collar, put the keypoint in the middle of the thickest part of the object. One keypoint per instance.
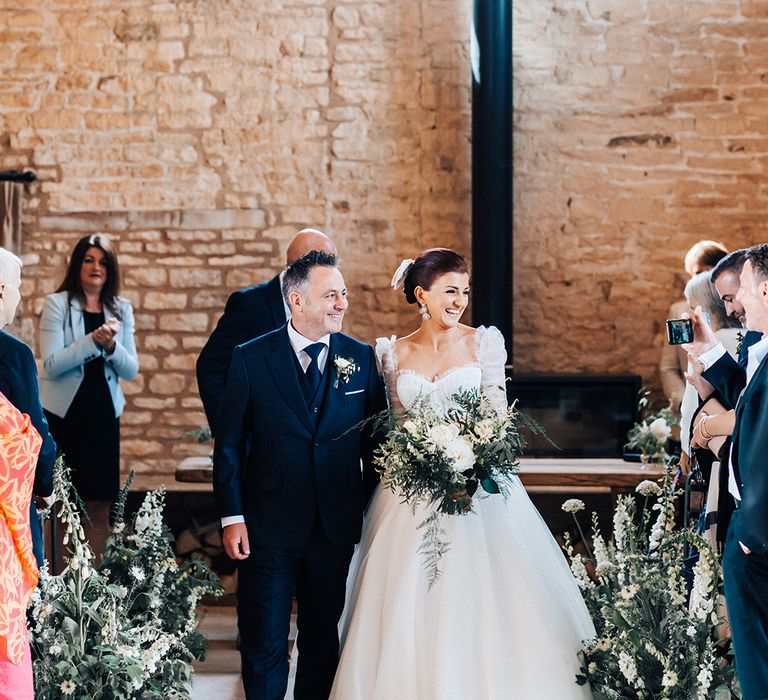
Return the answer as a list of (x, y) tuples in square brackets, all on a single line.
[(755, 355), (299, 342)]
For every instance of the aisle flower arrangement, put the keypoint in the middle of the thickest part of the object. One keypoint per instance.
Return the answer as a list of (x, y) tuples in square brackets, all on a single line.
[(651, 434), (447, 461), (654, 639), (124, 628)]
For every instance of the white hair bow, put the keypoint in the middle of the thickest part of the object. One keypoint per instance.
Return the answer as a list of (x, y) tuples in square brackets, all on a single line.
[(401, 272)]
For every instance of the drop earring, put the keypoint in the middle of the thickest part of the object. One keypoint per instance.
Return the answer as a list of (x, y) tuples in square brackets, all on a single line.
[(424, 312)]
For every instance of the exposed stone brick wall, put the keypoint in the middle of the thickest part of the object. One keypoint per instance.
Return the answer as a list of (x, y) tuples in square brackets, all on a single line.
[(201, 135), (640, 127)]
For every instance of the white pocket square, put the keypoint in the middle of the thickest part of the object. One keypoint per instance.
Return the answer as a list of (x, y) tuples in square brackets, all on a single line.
[(356, 391)]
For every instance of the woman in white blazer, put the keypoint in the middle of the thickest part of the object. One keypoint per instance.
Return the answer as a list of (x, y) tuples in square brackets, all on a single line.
[(87, 344)]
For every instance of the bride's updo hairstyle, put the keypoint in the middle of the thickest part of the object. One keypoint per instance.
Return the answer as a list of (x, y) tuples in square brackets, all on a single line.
[(430, 265)]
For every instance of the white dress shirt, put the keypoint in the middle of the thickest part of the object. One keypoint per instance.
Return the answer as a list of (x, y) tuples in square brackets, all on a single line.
[(298, 343)]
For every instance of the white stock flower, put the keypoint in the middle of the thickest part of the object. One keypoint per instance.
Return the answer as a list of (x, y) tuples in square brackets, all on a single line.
[(648, 488), (573, 505), (660, 430), (460, 453), (442, 435)]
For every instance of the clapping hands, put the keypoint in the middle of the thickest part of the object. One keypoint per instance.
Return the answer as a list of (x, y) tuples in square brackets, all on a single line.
[(104, 335)]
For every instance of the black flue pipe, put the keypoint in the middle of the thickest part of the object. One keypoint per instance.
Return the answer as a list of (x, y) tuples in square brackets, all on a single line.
[(491, 50), (17, 176)]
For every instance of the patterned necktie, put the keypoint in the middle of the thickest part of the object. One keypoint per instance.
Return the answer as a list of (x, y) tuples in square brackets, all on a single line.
[(313, 371)]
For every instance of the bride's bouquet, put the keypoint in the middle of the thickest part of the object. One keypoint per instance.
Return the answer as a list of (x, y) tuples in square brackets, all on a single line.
[(446, 460)]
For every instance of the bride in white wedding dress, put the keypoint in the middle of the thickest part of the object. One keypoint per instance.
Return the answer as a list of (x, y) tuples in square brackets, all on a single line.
[(506, 619)]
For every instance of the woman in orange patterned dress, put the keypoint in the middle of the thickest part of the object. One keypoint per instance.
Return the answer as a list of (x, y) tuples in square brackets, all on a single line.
[(19, 447)]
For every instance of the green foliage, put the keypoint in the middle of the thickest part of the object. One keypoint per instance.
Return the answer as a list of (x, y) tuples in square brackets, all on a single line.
[(654, 640), (650, 435), (126, 628)]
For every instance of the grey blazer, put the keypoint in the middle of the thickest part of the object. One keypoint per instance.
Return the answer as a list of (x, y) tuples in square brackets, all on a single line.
[(66, 348)]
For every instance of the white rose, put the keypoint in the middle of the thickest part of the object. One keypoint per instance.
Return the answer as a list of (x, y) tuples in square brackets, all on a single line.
[(484, 430), (442, 435), (460, 452), (660, 430), (342, 364)]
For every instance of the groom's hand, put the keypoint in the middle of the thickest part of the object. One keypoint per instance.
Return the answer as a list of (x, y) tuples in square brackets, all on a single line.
[(235, 539)]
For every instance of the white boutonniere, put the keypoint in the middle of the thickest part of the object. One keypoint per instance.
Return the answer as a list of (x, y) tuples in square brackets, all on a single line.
[(345, 367), (739, 342)]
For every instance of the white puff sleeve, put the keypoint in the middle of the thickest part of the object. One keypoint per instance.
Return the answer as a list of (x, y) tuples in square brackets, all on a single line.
[(492, 356)]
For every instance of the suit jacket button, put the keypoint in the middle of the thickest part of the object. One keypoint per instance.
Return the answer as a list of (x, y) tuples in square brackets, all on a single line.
[(317, 444), (314, 410)]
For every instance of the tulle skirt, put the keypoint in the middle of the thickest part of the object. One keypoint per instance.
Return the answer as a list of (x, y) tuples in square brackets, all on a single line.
[(505, 619)]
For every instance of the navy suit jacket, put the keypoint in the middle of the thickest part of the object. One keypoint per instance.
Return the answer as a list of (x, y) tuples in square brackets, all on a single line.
[(728, 376), (248, 314), (18, 381), (277, 466), (749, 456)]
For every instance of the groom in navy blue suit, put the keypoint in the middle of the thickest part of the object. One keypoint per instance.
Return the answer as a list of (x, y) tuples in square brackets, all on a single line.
[(288, 479)]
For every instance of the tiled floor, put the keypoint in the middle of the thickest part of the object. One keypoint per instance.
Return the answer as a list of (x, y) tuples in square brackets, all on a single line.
[(218, 677)]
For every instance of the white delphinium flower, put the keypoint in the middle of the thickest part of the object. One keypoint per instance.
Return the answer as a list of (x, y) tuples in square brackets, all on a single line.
[(704, 678), (648, 488), (580, 572), (658, 529), (573, 505), (702, 602), (620, 523), (603, 563)]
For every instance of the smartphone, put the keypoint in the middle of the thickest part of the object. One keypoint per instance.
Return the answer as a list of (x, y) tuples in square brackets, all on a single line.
[(679, 331)]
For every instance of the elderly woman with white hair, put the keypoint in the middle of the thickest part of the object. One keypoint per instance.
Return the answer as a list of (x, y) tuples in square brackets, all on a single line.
[(27, 453), (701, 292)]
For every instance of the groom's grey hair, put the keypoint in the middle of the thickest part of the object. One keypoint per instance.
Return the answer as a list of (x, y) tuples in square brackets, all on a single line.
[(296, 277)]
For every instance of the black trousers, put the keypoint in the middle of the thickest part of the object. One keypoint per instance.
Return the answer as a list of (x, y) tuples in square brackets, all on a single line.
[(746, 594), (267, 580)]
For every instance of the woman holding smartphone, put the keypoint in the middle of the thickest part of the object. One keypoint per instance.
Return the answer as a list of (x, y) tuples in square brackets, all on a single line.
[(87, 344)]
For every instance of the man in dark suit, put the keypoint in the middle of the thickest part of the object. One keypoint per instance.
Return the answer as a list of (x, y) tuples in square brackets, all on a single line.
[(18, 382), (745, 562), (248, 314), (288, 481)]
